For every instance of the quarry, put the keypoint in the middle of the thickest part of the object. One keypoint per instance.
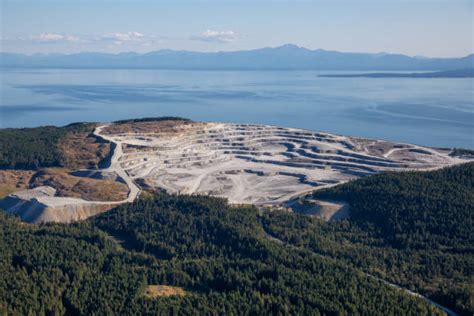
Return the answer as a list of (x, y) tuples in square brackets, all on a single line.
[(244, 163)]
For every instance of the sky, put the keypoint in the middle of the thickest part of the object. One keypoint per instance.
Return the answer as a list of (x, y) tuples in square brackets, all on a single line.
[(433, 28)]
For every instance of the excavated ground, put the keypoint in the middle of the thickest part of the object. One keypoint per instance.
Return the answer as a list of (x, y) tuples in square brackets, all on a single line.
[(258, 164)]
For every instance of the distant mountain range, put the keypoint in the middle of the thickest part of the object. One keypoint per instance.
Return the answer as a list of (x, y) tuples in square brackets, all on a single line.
[(457, 73), (286, 57)]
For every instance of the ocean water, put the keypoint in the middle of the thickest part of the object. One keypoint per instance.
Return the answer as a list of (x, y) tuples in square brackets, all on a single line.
[(433, 112)]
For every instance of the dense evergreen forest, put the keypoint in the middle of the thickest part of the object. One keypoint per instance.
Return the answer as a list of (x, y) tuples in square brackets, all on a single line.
[(32, 148), (413, 229), (219, 254)]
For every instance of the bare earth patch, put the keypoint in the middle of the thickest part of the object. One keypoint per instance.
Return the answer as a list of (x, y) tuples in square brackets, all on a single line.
[(326, 210), (154, 291), (82, 150), (89, 189), (14, 180), (166, 126)]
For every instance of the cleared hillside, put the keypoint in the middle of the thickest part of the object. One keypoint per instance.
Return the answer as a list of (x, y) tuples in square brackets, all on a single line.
[(244, 163)]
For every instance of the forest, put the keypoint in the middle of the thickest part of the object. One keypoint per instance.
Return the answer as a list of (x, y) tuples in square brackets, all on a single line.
[(413, 229), (220, 255)]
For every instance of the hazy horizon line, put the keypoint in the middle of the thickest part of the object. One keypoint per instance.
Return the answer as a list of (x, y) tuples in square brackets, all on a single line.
[(230, 51)]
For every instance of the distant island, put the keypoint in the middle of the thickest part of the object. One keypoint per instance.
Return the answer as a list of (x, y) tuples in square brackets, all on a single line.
[(457, 73), (286, 57)]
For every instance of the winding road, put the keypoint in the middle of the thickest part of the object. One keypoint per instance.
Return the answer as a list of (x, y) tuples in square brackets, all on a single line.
[(115, 167)]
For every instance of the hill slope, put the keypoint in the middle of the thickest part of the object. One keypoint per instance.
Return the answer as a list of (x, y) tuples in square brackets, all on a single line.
[(70, 146), (219, 255), (413, 229)]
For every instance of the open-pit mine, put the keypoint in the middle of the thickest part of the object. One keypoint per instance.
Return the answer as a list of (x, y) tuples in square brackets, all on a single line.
[(257, 164)]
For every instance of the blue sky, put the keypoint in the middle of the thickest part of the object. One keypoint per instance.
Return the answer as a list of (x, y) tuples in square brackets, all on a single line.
[(438, 28)]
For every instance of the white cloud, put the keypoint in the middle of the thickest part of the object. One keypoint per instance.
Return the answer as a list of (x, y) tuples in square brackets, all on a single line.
[(55, 37), (216, 36), (120, 38), (109, 41)]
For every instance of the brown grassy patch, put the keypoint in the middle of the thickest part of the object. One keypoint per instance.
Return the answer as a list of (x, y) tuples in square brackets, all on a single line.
[(154, 291), (14, 180), (82, 150), (166, 126), (86, 188)]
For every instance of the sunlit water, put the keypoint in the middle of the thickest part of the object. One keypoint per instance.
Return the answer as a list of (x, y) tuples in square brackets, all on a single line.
[(434, 112)]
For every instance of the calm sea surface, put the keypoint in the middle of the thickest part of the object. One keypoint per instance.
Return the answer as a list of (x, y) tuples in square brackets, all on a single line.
[(434, 112)]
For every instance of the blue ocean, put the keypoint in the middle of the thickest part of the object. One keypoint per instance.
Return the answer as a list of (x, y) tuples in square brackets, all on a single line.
[(434, 112)]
